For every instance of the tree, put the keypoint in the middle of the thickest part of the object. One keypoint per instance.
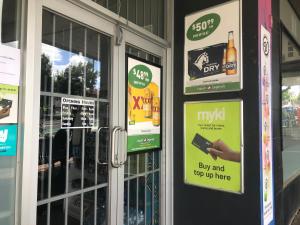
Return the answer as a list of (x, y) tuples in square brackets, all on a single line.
[(46, 71), (77, 78), (286, 94)]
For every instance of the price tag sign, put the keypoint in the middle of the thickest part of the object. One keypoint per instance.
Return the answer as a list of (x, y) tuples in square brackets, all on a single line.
[(203, 26), (140, 76)]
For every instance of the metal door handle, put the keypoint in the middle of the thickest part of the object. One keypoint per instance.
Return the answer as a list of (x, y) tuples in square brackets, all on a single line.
[(124, 132), (98, 151), (115, 159)]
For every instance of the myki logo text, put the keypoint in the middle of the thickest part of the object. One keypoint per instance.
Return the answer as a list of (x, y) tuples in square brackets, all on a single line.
[(3, 135), (137, 102), (210, 116)]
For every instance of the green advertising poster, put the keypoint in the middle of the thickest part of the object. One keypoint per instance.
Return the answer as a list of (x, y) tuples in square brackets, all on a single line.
[(143, 105), (213, 140)]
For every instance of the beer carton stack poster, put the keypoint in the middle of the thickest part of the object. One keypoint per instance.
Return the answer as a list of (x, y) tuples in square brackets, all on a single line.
[(212, 50), (143, 105), (213, 145)]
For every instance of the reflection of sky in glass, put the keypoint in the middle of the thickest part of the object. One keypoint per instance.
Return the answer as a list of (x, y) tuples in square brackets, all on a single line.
[(61, 59), (295, 90)]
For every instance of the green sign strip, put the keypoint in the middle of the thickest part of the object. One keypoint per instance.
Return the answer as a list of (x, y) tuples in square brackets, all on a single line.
[(213, 88), (8, 89), (141, 142)]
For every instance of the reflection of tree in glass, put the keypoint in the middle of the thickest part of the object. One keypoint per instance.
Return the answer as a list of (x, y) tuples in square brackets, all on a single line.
[(46, 71), (77, 76), (61, 82), (91, 80), (286, 95)]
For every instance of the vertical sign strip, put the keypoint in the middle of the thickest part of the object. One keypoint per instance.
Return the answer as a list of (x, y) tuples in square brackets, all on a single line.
[(266, 145)]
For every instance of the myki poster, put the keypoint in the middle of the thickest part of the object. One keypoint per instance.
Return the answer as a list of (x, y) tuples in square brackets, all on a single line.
[(212, 50), (266, 144), (213, 145), (143, 105)]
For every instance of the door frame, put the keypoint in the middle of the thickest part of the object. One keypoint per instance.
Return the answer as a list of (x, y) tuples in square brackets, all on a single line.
[(101, 19)]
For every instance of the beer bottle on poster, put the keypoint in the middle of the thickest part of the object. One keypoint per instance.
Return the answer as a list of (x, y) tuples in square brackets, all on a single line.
[(156, 111), (231, 56), (224, 61), (147, 103)]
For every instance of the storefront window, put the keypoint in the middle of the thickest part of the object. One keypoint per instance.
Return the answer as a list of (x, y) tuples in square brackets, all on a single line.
[(290, 108), (148, 14), (10, 33)]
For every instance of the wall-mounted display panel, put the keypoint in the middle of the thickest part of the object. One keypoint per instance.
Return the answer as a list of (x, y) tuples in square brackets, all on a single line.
[(213, 148), (144, 82), (212, 50)]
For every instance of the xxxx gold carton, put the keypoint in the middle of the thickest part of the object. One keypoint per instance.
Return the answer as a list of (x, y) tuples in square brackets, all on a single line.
[(140, 101)]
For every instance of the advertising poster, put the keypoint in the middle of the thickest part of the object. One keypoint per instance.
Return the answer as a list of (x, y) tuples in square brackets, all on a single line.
[(143, 105), (266, 144), (8, 140), (212, 50), (213, 140), (8, 104), (77, 113), (9, 65)]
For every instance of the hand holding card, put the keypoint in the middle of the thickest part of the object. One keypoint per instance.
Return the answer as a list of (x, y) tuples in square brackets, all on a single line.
[(201, 143), (221, 150)]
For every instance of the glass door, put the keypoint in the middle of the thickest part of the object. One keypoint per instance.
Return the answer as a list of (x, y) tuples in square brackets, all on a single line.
[(142, 173), (73, 169), (83, 175)]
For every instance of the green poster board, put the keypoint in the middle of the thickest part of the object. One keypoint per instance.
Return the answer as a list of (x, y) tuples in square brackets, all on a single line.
[(213, 140), (144, 82)]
